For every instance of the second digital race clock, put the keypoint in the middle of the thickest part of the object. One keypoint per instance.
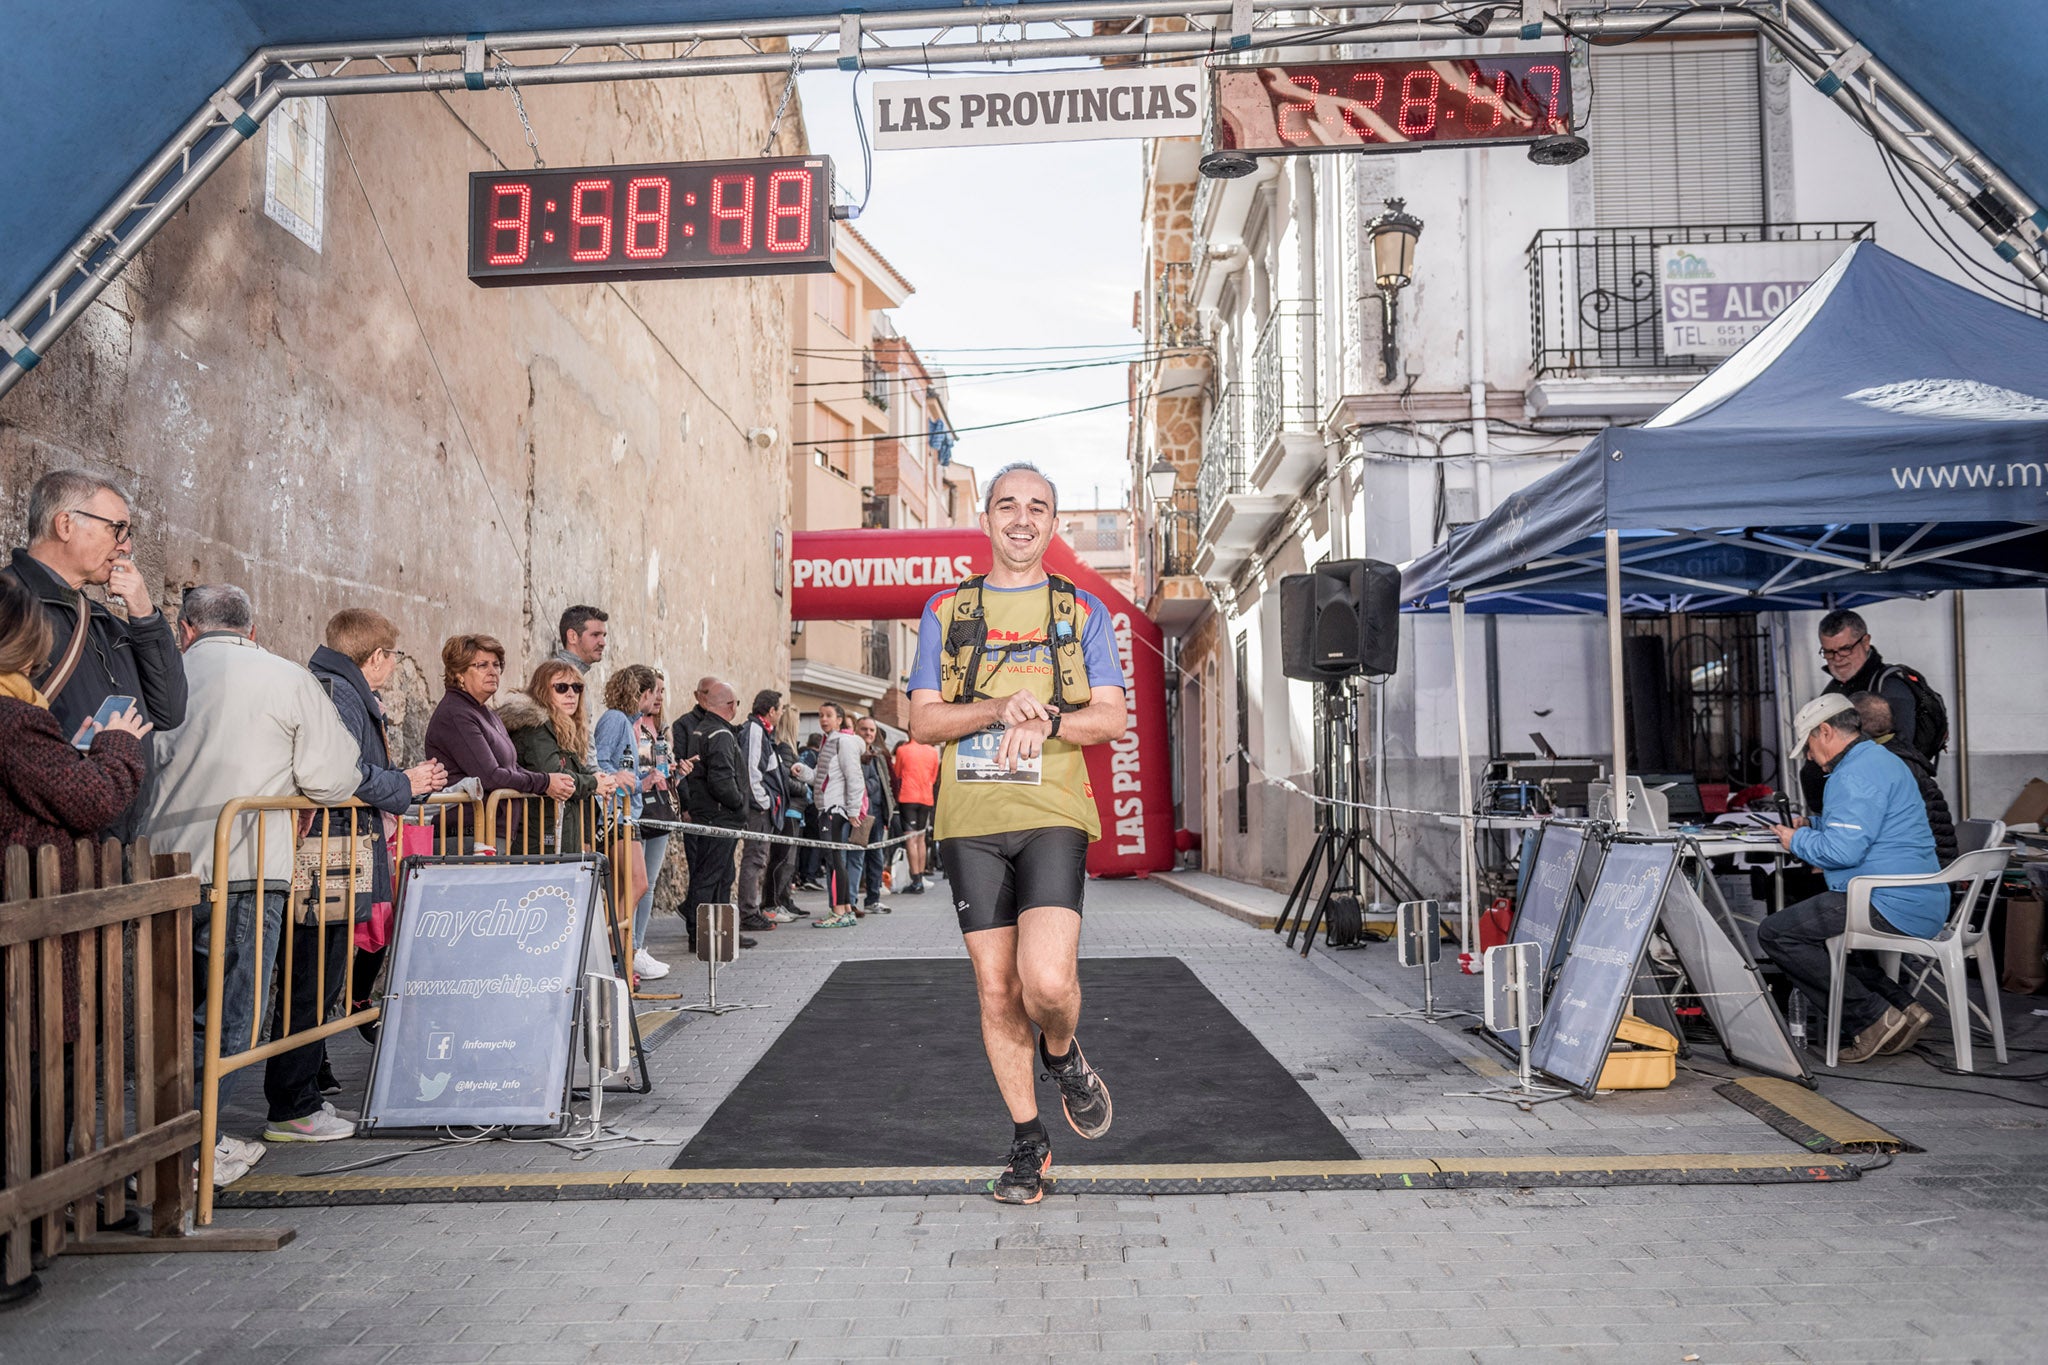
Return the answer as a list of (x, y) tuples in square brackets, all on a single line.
[(1389, 105)]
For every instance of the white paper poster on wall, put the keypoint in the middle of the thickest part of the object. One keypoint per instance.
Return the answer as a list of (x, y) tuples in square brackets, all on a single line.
[(1046, 106), (1717, 295)]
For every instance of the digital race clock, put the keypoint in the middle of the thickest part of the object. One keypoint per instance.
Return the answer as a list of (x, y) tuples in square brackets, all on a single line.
[(1389, 106), (765, 216)]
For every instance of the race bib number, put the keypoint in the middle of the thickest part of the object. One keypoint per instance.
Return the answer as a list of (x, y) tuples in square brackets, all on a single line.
[(974, 760)]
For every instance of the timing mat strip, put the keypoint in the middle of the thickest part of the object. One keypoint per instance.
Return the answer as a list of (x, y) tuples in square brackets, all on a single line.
[(1409, 1173), (1817, 1124)]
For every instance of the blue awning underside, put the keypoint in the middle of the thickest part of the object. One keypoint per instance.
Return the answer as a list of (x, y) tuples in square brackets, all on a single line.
[(91, 90), (1886, 437)]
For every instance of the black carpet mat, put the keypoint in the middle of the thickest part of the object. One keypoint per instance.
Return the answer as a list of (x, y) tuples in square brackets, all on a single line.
[(884, 1067)]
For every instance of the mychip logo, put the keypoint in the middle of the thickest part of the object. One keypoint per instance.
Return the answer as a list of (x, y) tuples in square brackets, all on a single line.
[(541, 923)]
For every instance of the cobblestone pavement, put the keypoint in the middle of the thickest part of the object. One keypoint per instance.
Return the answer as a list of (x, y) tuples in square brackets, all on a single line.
[(1933, 1257)]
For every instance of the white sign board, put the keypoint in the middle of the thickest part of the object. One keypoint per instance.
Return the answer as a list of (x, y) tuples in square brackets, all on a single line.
[(1046, 106), (295, 167), (1717, 295)]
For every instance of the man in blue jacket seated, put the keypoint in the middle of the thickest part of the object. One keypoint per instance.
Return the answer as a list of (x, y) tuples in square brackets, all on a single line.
[(1872, 823)]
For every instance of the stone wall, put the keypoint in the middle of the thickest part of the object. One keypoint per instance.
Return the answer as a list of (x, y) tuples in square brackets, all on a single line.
[(363, 426)]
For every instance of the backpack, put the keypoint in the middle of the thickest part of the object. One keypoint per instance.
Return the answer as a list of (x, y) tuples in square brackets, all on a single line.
[(966, 628), (1930, 712)]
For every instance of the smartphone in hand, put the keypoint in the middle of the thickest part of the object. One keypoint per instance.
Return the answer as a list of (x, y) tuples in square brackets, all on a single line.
[(110, 708)]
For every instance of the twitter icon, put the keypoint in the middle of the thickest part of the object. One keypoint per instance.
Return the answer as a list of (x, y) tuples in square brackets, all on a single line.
[(431, 1089)]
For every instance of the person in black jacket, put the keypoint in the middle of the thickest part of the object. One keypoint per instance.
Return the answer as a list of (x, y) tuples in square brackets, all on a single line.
[(716, 792), (881, 789), (1875, 713), (1853, 664), (80, 532), (359, 657)]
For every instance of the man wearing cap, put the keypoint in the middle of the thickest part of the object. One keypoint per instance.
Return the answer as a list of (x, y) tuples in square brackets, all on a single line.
[(1872, 823)]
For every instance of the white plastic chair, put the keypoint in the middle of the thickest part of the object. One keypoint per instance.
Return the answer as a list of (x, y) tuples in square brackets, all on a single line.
[(1962, 937), (1972, 835)]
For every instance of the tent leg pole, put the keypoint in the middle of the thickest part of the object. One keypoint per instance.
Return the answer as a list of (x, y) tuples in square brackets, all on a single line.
[(1466, 879), (1962, 708), (1614, 682)]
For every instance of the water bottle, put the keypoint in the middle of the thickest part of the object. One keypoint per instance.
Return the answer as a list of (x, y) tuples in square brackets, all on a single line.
[(1795, 1016)]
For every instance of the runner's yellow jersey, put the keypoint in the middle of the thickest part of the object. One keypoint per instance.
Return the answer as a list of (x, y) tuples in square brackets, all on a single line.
[(975, 797)]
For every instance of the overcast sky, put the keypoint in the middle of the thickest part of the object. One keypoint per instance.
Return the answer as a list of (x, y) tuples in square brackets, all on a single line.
[(1008, 246)]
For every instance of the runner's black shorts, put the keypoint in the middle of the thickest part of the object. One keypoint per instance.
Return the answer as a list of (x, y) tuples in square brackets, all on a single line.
[(916, 817), (995, 876)]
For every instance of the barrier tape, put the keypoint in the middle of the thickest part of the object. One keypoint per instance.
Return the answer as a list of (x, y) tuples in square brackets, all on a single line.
[(719, 831), (1273, 781)]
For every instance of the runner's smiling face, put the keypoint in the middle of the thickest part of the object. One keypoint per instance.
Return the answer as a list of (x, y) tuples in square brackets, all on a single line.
[(1019, 520)]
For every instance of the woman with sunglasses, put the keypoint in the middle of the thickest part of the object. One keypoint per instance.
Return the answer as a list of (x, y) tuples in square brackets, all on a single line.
[(550, 729)]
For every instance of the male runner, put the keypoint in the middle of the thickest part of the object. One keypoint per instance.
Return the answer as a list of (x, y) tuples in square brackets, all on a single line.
[(1015, 811)]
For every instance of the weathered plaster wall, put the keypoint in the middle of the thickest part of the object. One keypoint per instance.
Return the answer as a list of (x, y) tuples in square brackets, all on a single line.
[(282, 414)]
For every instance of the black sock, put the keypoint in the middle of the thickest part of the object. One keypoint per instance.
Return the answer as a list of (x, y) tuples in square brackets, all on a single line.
[(1059, 1063), (1032, 1127)]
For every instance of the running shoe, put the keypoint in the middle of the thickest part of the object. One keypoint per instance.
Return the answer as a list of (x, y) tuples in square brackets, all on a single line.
[(778, 914), (840, 919), (755, 923), (877, 908), (1023, 1177), (1082, 1093)]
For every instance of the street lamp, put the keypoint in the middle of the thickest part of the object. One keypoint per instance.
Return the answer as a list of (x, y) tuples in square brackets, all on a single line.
[(1161, 480), (1393, 233)]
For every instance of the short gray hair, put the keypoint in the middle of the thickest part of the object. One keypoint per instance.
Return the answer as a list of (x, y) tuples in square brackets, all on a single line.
[(61, 491), (1018, 467), (217, 606), (1846, 721)]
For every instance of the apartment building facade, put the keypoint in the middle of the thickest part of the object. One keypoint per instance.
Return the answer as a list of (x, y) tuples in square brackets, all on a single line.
[(1299, 430), (872, 446)]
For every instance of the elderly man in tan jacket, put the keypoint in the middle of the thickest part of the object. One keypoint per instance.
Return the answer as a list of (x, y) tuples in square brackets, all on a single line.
[(255, 725)]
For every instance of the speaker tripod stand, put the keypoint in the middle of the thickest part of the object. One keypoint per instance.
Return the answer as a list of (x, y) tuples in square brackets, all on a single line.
[(1345, 853), (1339, 862)]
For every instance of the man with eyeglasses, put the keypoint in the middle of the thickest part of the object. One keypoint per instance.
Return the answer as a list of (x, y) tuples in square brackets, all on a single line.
[(80, 534), (1853, 664)]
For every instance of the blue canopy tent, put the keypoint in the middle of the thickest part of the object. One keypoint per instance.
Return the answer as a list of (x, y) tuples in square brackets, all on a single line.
[(1885, 436)]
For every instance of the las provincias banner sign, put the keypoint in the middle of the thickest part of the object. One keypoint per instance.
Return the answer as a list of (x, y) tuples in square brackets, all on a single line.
[(892, 574), (1046, 106)]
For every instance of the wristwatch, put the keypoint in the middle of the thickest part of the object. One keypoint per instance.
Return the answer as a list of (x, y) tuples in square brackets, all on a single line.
[(1054, 733)]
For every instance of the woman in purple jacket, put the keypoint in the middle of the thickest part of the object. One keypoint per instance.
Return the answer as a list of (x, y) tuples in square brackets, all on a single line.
[(467, 736)]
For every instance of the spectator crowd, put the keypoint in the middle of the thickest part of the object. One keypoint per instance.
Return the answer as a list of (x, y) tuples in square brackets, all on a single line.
[(134, 724)]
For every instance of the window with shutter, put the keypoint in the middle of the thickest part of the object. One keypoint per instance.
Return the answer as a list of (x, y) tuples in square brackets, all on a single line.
[(1677, 134)]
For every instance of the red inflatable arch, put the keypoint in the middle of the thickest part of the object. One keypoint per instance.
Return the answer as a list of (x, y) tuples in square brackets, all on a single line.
[(886, 575)]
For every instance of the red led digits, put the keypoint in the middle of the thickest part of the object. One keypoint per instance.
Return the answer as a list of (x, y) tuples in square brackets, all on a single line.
[(647, 206), (1352, 119), (795, 217), (582, 215), (1494, 101), (1417, 116), (728, 208), (518, 223), (1304, 109), (1550, 105)]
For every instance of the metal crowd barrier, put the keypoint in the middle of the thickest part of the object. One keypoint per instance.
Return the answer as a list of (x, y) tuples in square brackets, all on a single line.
[(116, 955), (328, 879), (523, 825)]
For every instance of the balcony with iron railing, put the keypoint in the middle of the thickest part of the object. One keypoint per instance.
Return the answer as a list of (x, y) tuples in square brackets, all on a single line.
[(1283, 368), (1593, 303), (1222, 472), (875, 651), (1175, 533), (874, 380), (1174, 324)]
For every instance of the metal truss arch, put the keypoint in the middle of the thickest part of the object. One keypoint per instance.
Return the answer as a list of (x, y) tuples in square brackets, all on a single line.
[(1961, 175)]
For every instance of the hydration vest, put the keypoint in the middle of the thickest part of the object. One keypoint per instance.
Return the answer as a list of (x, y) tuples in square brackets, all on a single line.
[(960, 667)]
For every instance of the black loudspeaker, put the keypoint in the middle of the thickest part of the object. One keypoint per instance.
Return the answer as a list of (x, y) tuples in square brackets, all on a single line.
[(1339, 619)]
